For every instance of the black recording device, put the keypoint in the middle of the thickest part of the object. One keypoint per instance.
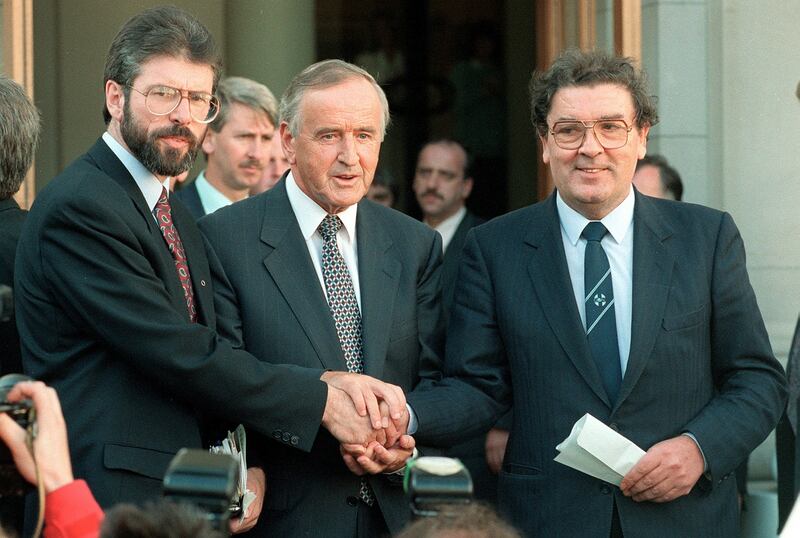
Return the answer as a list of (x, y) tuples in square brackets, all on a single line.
[(6, 304), (437, 486), (205, 480), (11, 482)]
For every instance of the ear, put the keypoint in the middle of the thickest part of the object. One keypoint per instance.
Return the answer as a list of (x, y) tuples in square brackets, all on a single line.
[(545, 149), (466, 190), (288, 142), (209, 142), (115, 100), (642, 140)]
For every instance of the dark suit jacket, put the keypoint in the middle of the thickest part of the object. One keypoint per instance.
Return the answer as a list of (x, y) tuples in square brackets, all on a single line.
[(700, 362), (786, 446), (453, 255), (272, 303), (102, 318), (191, 199), (11, 218)]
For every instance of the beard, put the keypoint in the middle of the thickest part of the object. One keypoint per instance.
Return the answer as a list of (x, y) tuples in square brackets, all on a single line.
[(144, 146)]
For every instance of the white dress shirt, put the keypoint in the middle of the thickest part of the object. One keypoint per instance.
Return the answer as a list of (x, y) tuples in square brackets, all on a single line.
[(447, 228), (210, 198), (309, 215), (147, 182), (618, 244)]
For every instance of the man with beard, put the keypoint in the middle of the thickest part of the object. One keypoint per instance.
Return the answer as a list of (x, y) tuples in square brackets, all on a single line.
[(115, 306), (237, 147)]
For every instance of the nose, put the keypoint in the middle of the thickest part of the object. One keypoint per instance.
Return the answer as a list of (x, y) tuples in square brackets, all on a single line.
[(590, 145), (256, 148), (347, 151), (181, 115)]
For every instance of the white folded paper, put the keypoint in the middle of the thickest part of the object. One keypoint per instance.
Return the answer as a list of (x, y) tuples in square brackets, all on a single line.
[(597, 450)]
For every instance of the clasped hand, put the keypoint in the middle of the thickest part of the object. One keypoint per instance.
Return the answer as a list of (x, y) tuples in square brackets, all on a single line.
[(370, 419)]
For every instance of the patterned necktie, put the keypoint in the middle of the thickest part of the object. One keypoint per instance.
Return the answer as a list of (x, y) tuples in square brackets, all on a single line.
[(601, 324), (344, 309), (163, 213)]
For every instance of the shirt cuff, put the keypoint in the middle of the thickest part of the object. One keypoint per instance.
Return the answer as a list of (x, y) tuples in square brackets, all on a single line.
[(693, 438), (413, 424)]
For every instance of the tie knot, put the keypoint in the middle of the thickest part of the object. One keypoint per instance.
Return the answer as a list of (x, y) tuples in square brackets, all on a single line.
[(594, 231), (329, 226), (163, 200)]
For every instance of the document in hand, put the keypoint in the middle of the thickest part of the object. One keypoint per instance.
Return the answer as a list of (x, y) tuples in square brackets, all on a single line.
[(597, 450), (236, 445)]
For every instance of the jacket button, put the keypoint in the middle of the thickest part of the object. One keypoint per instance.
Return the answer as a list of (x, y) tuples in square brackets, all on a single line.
[(203, 283), (605, 489), (352, 501), (294, 440), (286, 437), (276, 434)]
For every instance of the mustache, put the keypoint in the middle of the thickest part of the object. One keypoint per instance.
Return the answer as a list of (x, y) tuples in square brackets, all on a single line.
[(432, 192), (176, 130), (254, 163)]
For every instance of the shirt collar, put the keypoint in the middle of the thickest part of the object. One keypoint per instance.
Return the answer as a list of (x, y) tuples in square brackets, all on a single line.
[(309, 214), (211, 198), (447, 228), (617, 222), (147, 182)]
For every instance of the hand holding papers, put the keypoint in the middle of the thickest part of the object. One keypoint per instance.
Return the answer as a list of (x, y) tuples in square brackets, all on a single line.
[(597, 450), (236, 445)]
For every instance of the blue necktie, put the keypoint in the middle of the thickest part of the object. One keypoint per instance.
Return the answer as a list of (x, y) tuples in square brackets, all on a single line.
[(601, 324)]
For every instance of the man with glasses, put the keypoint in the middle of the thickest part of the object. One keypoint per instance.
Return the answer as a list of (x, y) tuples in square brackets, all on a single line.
[(599, 300), (115, 306)]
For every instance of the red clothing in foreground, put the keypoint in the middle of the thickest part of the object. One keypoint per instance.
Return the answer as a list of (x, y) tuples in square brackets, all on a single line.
[(72, 512)]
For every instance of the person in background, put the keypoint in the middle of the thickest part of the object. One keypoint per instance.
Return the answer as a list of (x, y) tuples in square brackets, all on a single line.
[(655, 177), (276, 167), (238, 147)]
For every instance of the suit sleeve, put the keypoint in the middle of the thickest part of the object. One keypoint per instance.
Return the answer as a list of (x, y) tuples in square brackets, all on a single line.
[(97, 265), (476, 388), (751, 385)]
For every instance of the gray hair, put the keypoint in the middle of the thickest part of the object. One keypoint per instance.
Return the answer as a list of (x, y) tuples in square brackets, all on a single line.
[(159, 31), (321, 75), (244, 92), (19, 135), (578, 68)]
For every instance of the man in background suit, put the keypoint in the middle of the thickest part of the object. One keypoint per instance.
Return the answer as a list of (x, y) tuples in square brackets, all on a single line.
[(19, 136), (442, 184), (376, 310), (237, 146), (656, 177), (671, 352), (115, 306)]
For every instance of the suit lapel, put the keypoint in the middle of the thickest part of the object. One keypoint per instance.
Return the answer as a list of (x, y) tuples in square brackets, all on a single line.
[(290, 267), (378, 271), (550, 275), (109, 163), (652, 273)]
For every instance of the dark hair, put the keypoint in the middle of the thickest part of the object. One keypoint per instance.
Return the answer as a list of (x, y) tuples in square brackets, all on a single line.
[(159, 31), (468, 158), (19, 135), (474, 520), (670, 178), (163, 519), (579, 68)]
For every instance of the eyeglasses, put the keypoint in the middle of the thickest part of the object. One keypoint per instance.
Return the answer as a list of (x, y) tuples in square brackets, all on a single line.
[(611, 134), (162, 100)]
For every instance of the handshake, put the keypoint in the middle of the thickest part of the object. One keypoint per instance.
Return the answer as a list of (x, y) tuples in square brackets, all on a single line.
[(370, 420)]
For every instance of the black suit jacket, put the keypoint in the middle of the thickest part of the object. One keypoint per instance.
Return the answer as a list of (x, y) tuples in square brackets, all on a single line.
[(453, 255), (102, 318), (700, 362), (11, 219), (191, 199), (273, 304)]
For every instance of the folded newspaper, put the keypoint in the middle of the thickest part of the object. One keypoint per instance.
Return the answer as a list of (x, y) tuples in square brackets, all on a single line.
[(597, 450), (236, 445)]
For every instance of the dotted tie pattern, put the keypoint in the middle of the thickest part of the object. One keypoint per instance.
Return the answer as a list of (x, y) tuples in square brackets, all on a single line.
[(163, 213), (344, 309)]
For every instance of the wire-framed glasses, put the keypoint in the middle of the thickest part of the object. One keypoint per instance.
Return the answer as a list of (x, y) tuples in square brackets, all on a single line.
[(611, 134), (162, 100)]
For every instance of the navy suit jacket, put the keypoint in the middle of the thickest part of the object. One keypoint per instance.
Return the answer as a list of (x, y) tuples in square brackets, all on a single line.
[(700, 362), (11, 219), (191, 199), (102, 318), (271, 302)]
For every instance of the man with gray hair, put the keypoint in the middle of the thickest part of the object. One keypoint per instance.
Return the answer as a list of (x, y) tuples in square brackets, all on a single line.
[(237, 146), (312, 266), (115, 305)]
